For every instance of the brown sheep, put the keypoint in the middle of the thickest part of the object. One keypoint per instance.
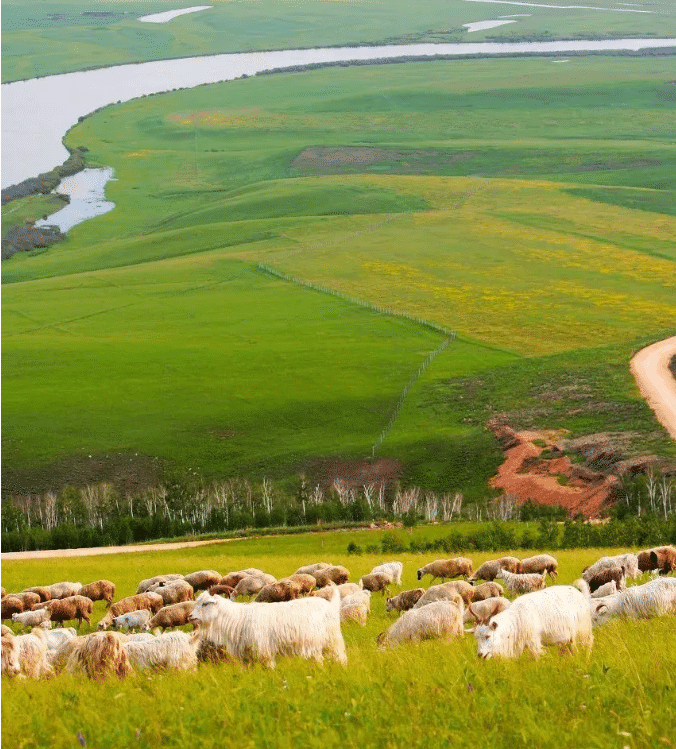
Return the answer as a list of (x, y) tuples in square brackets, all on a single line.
[(346, 589), (447, 568), (662, 558), (406, 600), (11, 605), (489, 570), (538, 564), (175, 615), (442, 592), (282, 590), (616, 574), (251, 585), (376, 582), (145, 585), (151, 601), (28, 599), (203, 579), (101, 590), (336, 575), (221, 590), (232, 578), (176, 591), (3, 592), (487, 590), (307, 582), (74, 607), (310, 569), (43, 591), (65, 589), (100, 655)]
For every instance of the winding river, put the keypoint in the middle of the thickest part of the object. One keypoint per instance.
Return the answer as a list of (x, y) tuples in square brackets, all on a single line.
[(37, 113)]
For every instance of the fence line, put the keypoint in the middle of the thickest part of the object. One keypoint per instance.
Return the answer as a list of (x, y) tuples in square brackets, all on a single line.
[(449, 335)]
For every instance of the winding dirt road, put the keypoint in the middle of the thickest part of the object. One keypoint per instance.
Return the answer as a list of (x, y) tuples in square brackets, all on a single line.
[(650, 368)]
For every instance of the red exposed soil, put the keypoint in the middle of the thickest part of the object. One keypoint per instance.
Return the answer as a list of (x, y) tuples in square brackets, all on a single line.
[(525, 475)]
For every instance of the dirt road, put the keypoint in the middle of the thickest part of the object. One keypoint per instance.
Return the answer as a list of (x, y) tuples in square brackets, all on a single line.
[(650, 368)]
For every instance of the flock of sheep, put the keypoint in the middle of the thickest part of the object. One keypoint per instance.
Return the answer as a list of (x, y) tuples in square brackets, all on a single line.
[(302, 614)]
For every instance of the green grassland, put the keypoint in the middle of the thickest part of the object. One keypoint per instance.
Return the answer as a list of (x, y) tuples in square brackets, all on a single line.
[(428, 695), (56, 37), (495, 198)]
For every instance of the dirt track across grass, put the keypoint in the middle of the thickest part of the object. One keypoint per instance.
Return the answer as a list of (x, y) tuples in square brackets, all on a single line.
[(650, 368)]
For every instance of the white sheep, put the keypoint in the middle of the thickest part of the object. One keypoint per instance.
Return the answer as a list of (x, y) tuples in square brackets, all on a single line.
[(628, 561), (554, 616), (438, 619), (655, 598), (176, 650), (32, 618), (358, 598), (605, 590), (133, 620), (145, 585), (355, 612), (393, 569), (482, 609), (54, 638), (32, 650), (306, 627), (526, 583)]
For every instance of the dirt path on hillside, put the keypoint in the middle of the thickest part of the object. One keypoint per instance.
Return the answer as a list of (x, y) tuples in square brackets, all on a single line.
[(19, 556), (650, 368)]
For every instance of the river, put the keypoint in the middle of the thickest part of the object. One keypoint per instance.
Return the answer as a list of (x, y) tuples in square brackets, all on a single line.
[(37, 113)]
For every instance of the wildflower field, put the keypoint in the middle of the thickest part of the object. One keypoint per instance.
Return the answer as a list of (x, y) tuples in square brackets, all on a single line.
[(432, 694)]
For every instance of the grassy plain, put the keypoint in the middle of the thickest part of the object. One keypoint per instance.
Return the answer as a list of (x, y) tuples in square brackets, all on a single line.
[(61, 36), (426, 695), (152, 332)]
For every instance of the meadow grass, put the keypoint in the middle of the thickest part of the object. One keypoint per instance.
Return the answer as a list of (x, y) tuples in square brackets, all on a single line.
[(152, 331), (430, 694), (61, 36)]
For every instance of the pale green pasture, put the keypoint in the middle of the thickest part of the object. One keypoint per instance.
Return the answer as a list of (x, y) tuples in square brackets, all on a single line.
[(428, 695)]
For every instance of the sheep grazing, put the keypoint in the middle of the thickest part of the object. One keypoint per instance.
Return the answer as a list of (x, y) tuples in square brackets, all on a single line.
[(394, 569), (248, 586), (232, 578), (354, 612), (27, 599), (523, 583), (307, 627), (346, 589), (310, 569), (99, 655), (489, 570), (336, 575), (447, 568), (487, 590), (405, 600), (54, 638), (608, 589), (73, 607), (614, 574), (282, 590), (376, 582), (482, 609), (3, 592), (33, 655), (43, 591), (655, 598), (175, 591), (31, 618), (145, 585), (435, 593), (9, 649), (177, 615), (148, 600), (133, 620), (554, 616), (64, 590), (662, 558), (305, 580), (203, 579), (438, 619), (628, 561), (463, 589), (221, 590), (11, 605), (101, 590), (174, 650), (538, 564)]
